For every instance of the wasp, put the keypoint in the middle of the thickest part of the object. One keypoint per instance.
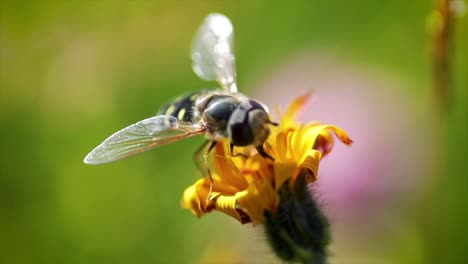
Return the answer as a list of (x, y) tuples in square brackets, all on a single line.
[(220, 114)]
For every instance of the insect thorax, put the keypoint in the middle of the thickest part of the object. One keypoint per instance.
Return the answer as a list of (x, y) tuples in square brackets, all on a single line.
[(216, 112)]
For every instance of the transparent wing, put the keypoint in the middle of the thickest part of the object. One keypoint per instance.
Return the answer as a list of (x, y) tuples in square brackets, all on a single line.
[(212, 52), (144, 135)]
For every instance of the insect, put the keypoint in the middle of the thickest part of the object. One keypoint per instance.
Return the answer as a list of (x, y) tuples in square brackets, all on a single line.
[(220, 114)]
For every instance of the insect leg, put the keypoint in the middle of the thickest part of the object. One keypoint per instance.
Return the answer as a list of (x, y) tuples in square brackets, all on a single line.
[(213, 144), (231, 149), (198, 158), (263, 153), (201, 157), (210, 148)]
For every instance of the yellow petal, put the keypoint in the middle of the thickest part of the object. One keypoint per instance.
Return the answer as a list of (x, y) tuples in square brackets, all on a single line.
[(284, 171), (194, 197), (297, 104), (322, 131), (341, 135), (228, 172), (258, 197), (228, 205), (311, 163), (282, 152), (301, 142)]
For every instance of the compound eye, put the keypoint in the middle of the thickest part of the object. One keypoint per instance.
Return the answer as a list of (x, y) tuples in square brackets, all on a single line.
[(238, 127), (255, 105), (258, 122), (248, 124)]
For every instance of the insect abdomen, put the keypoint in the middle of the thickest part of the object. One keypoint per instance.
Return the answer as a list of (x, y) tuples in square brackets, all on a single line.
[(183, 107)]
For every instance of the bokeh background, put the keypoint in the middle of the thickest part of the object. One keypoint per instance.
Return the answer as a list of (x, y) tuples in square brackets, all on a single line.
[(72, 73)]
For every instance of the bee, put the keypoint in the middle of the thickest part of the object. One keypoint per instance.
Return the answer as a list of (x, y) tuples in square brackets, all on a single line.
[(220, 114)]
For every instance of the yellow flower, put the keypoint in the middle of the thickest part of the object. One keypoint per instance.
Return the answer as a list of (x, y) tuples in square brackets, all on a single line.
[(245, 184)]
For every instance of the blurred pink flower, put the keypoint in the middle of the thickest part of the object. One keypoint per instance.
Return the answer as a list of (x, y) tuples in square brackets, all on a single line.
[(358, 186)]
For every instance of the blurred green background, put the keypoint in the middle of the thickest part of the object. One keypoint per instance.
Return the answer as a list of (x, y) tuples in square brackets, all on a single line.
[(72, 73)]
